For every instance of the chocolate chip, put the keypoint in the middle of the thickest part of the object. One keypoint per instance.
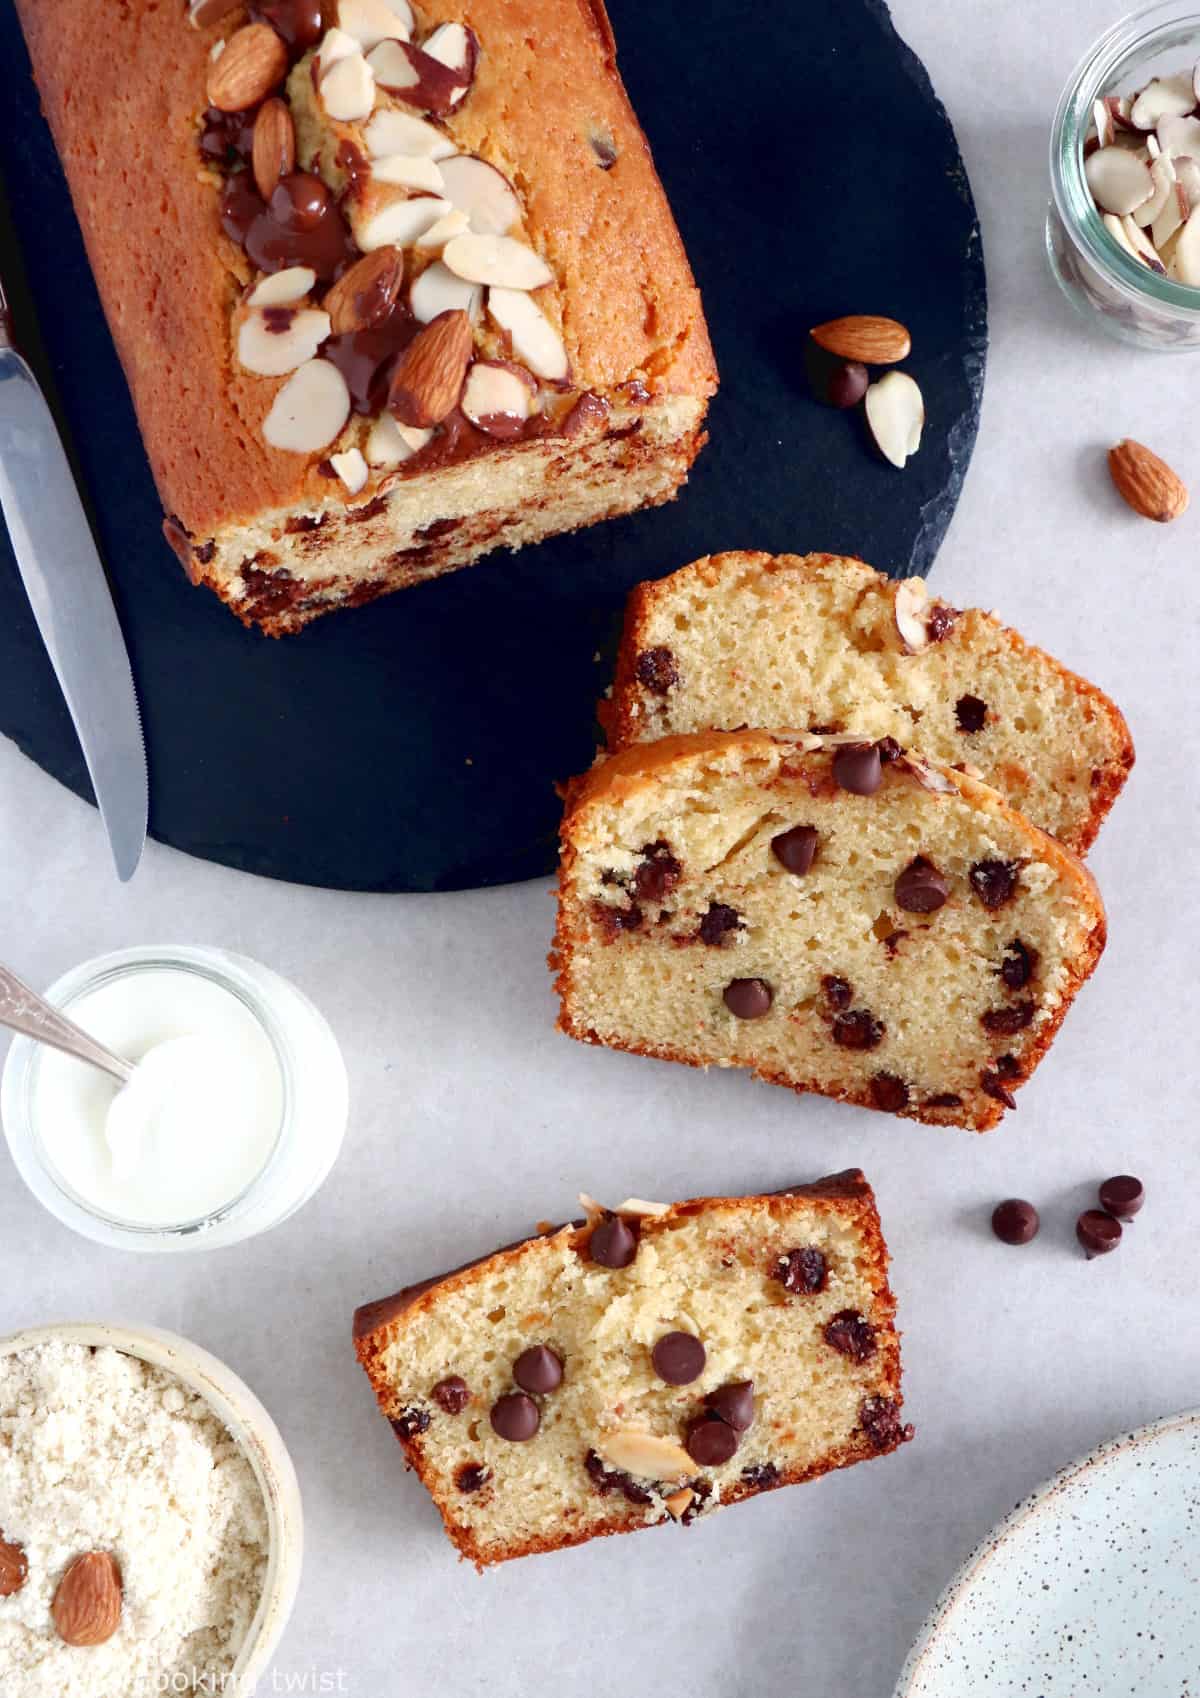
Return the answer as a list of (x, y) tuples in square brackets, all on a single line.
[(920, 888), (940, 622), (994, 882), (1006, 1021), (1008, 1067), (1122, 1196), (892, 943), (538, 1369), (851, 1334), (763, 1476), (858, 768), (656, 670), (971, 713), (944, 1099), (411, 1421), (515, 1417), (858, 1030), (796, 848), (658, 874), (678, 1358), (748, 999), (1019, 965), (615, 1480), (991, 1084), (710, 1441), (612, 920), (879, 1418), (735, 1404), (1097, 1232), (838, 992), (716, 925), (613, 1242), (804, 1272), (1015, 1221), (472, 1476), (889, 1092), (702, 1492), (452, 1394), (889, 750)]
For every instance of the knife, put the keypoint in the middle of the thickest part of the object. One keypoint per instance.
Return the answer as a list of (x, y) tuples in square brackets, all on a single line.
[(71, 601)]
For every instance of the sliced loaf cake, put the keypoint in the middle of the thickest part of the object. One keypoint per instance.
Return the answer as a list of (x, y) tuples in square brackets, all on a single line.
[(651, 1363), (821, 642), (839, 916)]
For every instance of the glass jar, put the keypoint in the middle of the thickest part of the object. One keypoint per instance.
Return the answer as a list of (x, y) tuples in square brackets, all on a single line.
[(313, 1099), (1129, 300)]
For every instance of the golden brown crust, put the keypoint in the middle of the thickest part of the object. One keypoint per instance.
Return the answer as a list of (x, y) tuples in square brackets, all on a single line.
[(125, 125), (622, 724), (848, 1194)]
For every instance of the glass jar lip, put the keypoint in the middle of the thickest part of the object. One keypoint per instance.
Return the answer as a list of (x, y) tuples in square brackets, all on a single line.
[(1136, 31), (219, 967)]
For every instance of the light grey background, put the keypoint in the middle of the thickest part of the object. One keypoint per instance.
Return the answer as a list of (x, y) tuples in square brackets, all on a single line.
[(471, 1118)]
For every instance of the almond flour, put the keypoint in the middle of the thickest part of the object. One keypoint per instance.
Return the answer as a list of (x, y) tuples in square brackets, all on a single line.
[(100, 1451)]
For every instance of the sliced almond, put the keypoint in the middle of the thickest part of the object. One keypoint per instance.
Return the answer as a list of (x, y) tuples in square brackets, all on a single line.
[(1116, 229), (395, 223), (1119, 181), (455, 46), (1162, 175), (498, 398), (639, 1209), (864, 337), (496, 260), (14, 1568), (335, 44), (428, 378), (348, 89), (1164, 97), (1187, 175), (87, 1604), (1146, 483), (1102, 123), (274, 147), (593, 1210), (895, 412), (1141, 245), (483, 193), (680, 1502), (535, 341), (310, 410), (442, 231), (275, 340), (409, 171), (351, 468), (1170, 218), (438, 290), (365, 296), (911, 612), (1179, 134), (389, 443), (400, 132), (254, 62), (645, 1455), (372, 21), (283, 288), (928, 776), (415, 77)]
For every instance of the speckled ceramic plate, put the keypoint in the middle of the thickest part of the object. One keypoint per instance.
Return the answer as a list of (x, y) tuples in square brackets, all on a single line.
[(1092, 1585)]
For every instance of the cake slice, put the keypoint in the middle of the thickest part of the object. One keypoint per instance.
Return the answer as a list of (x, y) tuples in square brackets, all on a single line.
[(655, 1362), (839, 916), (784, 642)]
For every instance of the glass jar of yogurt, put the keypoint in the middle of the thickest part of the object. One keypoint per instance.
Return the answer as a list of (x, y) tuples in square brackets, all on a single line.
[(233, 1118)]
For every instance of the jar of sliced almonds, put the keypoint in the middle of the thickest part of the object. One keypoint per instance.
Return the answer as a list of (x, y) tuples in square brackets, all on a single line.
[(1123, 229)]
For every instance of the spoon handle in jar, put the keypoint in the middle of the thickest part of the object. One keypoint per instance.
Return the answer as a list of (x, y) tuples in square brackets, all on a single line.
[(23, 1010)]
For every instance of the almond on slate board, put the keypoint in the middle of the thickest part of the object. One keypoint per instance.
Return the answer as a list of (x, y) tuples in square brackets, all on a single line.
[(864, 337), (87, 1605), (1146, 483)]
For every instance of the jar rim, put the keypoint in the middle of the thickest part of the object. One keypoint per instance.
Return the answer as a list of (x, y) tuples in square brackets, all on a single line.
[(1140, 32)]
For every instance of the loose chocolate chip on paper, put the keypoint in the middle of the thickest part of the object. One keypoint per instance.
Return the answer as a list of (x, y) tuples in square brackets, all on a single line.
[(1122, 1196), (1015, 1221), (1097, 1232), (538, 1369)]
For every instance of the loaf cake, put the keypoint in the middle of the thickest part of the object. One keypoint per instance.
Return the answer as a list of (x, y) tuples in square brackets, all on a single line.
[(839, 916), (391, 287), (651, 1363), (784, 642)]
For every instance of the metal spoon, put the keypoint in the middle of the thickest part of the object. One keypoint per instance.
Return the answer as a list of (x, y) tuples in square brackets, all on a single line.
[(23, 1010)]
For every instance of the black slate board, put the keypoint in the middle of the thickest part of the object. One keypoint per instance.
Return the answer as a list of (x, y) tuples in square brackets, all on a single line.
[(413, 744)]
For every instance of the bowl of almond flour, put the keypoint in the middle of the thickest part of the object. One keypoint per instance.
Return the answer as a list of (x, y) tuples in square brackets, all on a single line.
[(150, 1524)]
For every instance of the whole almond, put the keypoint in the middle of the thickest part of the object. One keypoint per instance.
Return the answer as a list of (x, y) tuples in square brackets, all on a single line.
[(872, 341), (87, 1605), (364, 297), (428, 379), (1147, 483), (13, 1568), (253, 63), (274, 151)]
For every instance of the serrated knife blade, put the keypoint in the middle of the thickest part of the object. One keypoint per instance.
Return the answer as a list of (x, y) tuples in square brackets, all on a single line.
[(71, 601)]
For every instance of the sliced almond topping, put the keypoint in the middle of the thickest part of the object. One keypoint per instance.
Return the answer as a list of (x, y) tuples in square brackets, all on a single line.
[(351, 468), (274, 148), (896, 414), (497, 260), (409, 171), (911, 610), (1118, 179), (592, 1209), (310, 410), (929, 777), (1165, 97), (87, 1604), (444, 230), (645, 1455), (454, 45), (680, 1502), (283, 288), (483, 193), (254, 62), (534, 339), (415, 77), (498, 398), (640, 1209), (365, 296), (348, 89), (428, 378), (372, 21), (872, 340), (335, 45), (14, 1568), (438, 290), (275, 340), (390, 443), (400, 132), (395, 223)]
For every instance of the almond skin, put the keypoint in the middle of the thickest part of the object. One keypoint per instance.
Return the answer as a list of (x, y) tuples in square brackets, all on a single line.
[(364, 297), (13, 1568), (429, 377), (1146, 483), (274, 152), (87, 1605), (870, 340), (253, 63)]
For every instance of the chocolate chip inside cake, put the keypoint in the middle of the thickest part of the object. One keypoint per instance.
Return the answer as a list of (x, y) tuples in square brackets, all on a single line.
[(890, 932), (600, 1392)]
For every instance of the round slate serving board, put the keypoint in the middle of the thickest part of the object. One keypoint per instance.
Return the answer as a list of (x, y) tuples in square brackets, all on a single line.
[(414, 744)]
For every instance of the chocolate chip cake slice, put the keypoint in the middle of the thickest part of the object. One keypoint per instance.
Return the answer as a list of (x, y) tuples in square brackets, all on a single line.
[(838, 916), (780, 641), (653, 1363)]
